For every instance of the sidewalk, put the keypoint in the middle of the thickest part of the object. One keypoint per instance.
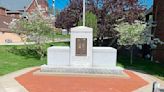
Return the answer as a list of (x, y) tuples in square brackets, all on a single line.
[(150, 79), (9, 84), (30, 43)]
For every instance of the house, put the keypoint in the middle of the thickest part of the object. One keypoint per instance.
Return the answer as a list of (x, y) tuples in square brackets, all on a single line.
[(155, 17), (14, 9), (158, 17), (2, 10), (7, 36)]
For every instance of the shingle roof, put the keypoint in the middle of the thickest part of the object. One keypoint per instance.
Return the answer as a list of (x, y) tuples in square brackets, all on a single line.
[(14, 5)]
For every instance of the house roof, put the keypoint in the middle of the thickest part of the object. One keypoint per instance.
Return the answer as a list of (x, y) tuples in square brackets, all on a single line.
[(14, 5), (1, 7)]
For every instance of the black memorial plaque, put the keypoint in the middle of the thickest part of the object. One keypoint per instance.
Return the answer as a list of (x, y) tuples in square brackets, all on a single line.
[(81, 46)]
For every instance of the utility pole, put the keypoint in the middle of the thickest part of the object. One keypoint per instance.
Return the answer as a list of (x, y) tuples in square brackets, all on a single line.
[(83, 12)]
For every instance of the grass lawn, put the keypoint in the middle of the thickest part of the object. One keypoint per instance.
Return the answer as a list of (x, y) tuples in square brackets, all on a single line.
[(142, 65), (62, 36), (10, 62)]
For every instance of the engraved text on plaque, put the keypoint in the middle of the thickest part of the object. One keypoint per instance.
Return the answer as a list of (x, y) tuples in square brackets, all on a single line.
[(81, 46)]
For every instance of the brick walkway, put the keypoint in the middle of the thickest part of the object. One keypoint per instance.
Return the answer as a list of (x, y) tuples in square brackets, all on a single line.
[(43, 83)]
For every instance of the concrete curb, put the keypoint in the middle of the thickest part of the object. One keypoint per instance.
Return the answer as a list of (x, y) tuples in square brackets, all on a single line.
[(150, 79)]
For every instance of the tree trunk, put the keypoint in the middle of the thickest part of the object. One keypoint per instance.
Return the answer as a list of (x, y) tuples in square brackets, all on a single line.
[(131, 55)]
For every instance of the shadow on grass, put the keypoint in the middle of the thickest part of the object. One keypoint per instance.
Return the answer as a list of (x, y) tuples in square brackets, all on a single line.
[(142, 65)]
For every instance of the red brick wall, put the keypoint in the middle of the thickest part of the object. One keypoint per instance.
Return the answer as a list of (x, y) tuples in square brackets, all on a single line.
[(159, 30), (40, 2), (2, 11), (43, 3), (32, 7)]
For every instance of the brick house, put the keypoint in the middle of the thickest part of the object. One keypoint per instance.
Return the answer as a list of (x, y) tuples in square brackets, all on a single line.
[(11, 9), (2, 11), (156, 16), (14, 8), (7, 36)]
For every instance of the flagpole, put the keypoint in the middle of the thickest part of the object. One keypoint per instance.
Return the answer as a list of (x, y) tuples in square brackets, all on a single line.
[(53, 5), (83, 12)]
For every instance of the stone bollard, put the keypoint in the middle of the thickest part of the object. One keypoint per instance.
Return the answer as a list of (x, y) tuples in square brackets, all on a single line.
[(156, 87)]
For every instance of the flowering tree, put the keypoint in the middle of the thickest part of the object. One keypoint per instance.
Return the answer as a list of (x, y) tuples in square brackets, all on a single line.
[(150, 39), (34, 28), (131, 35)]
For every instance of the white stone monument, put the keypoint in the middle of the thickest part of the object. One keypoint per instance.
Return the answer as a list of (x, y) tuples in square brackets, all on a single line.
[(81, 41), (81, 54)]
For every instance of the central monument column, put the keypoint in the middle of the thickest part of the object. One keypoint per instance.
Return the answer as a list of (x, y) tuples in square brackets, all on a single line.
[(81, 46)]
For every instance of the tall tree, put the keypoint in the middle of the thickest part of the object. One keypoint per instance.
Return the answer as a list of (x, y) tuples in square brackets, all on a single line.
[(69, 17), (91, 21), (36, 29), (108, 12)]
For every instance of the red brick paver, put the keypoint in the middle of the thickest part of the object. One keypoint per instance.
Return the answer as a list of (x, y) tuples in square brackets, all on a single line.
[(40, 83)]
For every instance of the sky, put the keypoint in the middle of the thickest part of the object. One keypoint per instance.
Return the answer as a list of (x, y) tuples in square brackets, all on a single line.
[(61, 4)]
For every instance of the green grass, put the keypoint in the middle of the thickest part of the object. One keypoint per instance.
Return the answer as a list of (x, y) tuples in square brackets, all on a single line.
[(10, 62), (142, 65), (62, 36)]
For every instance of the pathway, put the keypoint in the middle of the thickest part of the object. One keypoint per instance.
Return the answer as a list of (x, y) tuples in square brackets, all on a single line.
[(9, 84)]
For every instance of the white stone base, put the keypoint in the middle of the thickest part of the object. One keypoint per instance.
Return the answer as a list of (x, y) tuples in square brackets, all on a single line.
[(104, 59), (84, 70)]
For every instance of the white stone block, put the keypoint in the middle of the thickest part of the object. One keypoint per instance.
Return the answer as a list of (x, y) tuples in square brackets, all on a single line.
[(81, 32), (58, 56), (104, 57)]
